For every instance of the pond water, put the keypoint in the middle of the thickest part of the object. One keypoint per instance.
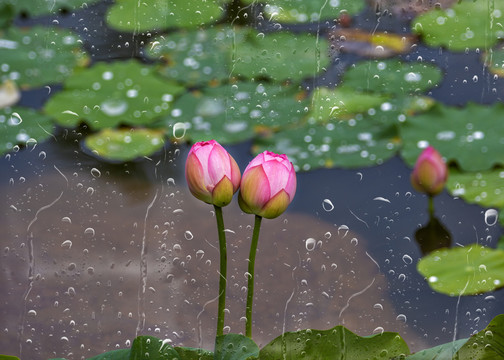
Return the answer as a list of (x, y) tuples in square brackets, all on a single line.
[(93, 254)]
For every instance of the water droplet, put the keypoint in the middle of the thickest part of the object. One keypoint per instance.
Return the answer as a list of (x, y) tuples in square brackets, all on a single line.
[(378, 330), (66, 244), (378, 306), (343, 228), (354, 241), (491, 217), (310, 244), (179, 130), (95, 172), (407, 259), (402, 277), (89, 231), (188, 235), (327, 205), (32, 313)]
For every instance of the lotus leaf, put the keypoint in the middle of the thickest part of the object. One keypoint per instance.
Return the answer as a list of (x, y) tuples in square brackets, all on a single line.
[(335, 343), (488, 344), (280, 56), (299, 11), (465, 270), (234, 113), (467, 24), (39, 56), (196, 57), (473, 137), (22, 126), (135, 16), (107, 95), (120, 145), (42, 7), (392, 77), (352, 144)]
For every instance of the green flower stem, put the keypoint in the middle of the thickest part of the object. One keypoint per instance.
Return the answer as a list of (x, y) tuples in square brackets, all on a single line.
[(250, 284), (223, 270), (431, 206)]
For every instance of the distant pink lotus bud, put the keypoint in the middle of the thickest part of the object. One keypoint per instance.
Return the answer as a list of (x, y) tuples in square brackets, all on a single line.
[(430, 172), (268, 185), (211, 173)]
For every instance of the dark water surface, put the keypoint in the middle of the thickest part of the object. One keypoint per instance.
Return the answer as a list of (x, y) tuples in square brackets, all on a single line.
[(94, 254)]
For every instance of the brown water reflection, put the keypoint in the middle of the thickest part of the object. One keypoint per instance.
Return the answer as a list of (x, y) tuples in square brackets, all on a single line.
[(87, 223)]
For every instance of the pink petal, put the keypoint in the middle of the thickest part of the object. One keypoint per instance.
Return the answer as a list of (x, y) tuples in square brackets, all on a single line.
[(255, 188)]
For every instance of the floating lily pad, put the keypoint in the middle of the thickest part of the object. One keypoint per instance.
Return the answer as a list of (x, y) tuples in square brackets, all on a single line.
[(42, 7), (342, 102), (234, 113), (495, 61), (39, 56), (352, 144), (134, 16), (199, 56), (392, 77), (467, 24), (22, 127), (483, 188), (281, 56), (301, 11), (473, 136), (466, 270), (107, 95), (335, 343), (121, 145)]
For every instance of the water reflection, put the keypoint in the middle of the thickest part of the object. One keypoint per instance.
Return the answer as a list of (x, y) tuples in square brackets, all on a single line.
[(432, 236)]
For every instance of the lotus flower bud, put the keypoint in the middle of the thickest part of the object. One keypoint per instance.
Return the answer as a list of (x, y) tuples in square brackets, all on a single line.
[(268, 185), (211, 173), (430, 172)]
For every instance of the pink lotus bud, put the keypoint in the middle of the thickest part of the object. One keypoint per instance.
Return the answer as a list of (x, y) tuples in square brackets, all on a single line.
[(211, 173), (430, 172), (268, 185)]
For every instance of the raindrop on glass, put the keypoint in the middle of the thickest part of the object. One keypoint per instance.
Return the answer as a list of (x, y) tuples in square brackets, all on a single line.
[(491, 217), (327, 205), (310, 244)]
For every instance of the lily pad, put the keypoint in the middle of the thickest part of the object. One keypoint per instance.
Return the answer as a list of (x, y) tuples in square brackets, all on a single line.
[(280, 56), (486, 344), (342, 102), (441, 352), (234, 113), (107, 95), (187, 353), (196, 57), (483, 188), (463, 270), (351, 144), (235, 347), (467, 24), (121, 145), (37, 56), (135, 16), (300, 11), (22, 127), (392, 77), (335, 343), (42, 7), (473, 136)]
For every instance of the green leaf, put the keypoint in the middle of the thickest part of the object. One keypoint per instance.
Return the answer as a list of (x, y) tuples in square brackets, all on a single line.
[(152, 348), (392, 77), (6, 17), (186, 353), (9, 357), (272, 56), (483, 188), (335, 343), (301, 11), (42, 7), (108, 95), (121, 354), (197, 57), (441, 352), (494, 59), (352, 144), (234, 113), (22, 127), (466, 270), (134, 16), (467, 24), (473, 136), (342, 102), (488, 344), (37, 56), (121, 145), (235, 347)]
